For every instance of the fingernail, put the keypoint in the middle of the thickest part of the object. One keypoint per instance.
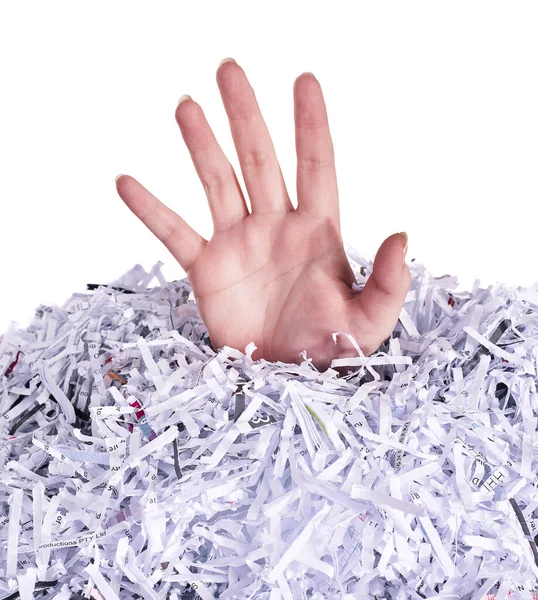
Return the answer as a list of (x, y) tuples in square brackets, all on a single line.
[(224, 60), (118, 176), (404, 251), (183, 98)]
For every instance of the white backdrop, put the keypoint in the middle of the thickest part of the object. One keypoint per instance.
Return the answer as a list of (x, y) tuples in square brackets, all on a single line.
[(432, 108)]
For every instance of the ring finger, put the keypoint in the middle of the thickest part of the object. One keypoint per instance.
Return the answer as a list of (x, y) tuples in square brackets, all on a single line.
[(224, 194)]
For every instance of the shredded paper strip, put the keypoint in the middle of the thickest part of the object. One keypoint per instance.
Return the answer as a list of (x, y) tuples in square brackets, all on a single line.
[(137, 461)]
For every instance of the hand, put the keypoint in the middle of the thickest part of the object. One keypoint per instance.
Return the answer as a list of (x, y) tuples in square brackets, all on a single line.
[(279, 275)]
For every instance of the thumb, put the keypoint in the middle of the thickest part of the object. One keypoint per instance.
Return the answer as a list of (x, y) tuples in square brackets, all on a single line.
[(383, 296)]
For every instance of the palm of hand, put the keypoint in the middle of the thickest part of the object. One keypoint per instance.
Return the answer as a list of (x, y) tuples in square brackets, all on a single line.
[(279, 276), (278, 280)]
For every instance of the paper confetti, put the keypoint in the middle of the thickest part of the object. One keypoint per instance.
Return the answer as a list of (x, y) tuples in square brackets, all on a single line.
[(137, 461)]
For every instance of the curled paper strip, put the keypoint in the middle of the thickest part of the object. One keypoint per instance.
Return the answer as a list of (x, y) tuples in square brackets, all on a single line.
[(136, 460)]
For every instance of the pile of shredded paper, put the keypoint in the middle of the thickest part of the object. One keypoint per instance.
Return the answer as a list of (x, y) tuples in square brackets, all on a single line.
[(136, 461)]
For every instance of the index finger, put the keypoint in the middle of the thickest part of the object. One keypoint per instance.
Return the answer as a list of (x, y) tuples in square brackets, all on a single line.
[(317, 191)]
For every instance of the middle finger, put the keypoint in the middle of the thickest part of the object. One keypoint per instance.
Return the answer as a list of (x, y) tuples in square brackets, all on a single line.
[(262, 174)]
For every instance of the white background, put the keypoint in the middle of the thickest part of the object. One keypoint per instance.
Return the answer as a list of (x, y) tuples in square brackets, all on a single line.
[(433, 109)]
